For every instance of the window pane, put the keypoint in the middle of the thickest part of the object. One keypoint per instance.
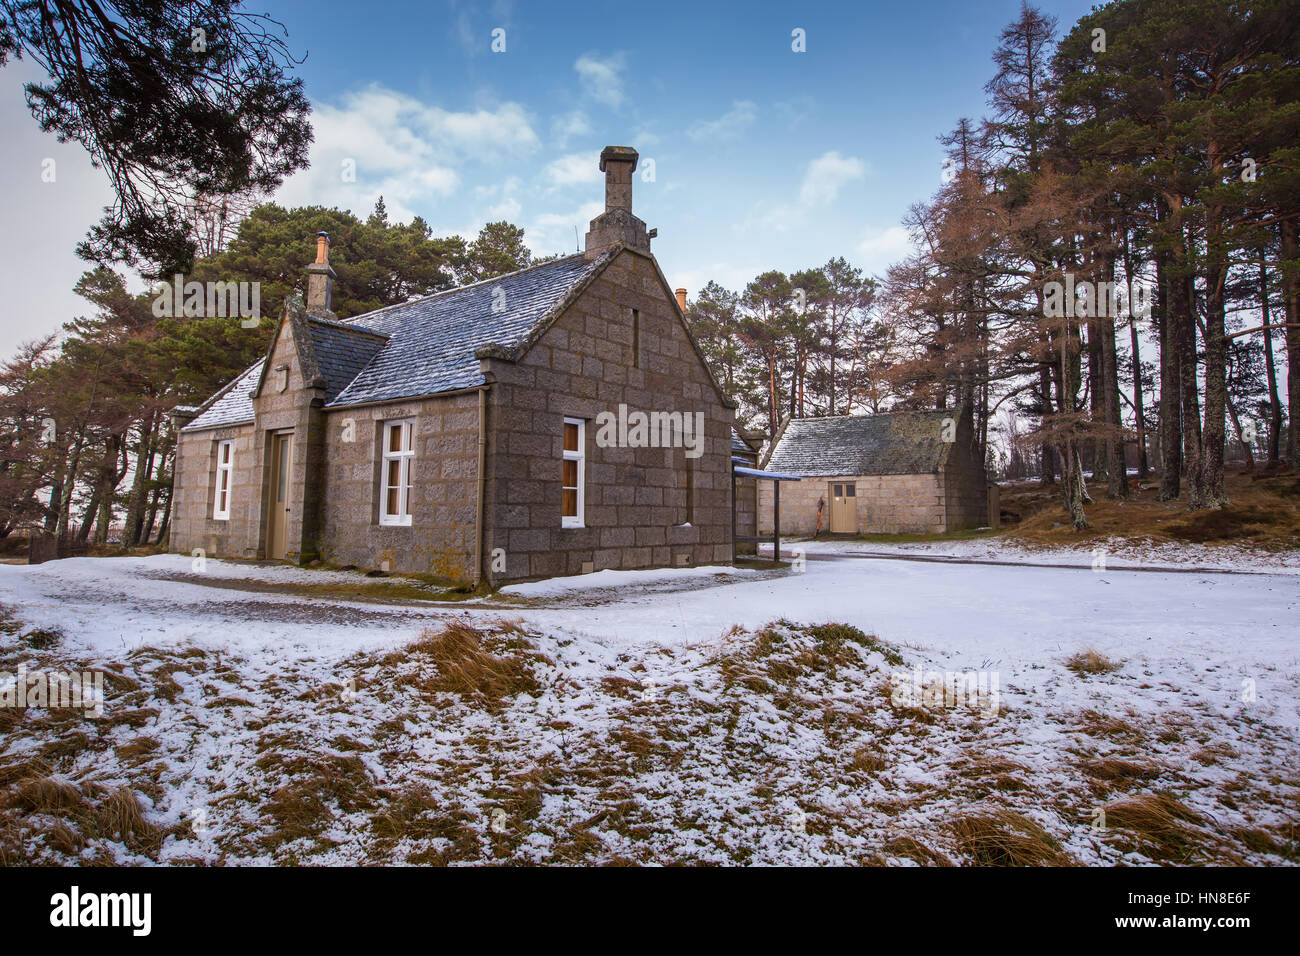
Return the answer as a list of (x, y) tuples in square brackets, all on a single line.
[(394, 479), (407, 430), (570, 436), (392, 501), (225, 453), (850, 491), (835, 491), (570, 502), (394, 438), (570, 473)]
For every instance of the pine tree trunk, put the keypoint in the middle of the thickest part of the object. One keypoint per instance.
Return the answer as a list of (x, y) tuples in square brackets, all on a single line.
[(1116, 466), (1274, 402), (1096, 394), (1047, 470), (1185, 331), (1205, 489), (143, 467), (1171, 386), (1139, 415), (1291, 300)]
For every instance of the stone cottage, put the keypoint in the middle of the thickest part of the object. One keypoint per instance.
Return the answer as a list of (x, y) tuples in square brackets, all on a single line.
[(905, 472), (557, 420)]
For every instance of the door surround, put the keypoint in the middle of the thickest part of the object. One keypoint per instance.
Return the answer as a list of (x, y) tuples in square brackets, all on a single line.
[(844, 507), (279, 487)]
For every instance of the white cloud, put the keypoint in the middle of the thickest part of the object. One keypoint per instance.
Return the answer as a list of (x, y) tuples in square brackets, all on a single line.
[(728, 126), (881, 248), (508, 209), (827, 175), (475, 37), (822, 181), (554, 232), (401, 148), (569, 127), (602, 79), (574, 169), (502, 198)]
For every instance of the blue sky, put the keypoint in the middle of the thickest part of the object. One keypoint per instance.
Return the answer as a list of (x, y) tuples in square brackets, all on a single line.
[(763, 157)]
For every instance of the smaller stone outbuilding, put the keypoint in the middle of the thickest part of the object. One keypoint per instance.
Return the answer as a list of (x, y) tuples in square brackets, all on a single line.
[(899, 473), (745, 453)]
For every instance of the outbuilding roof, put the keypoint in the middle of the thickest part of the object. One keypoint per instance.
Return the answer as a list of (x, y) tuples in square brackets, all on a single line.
[(899, 443)]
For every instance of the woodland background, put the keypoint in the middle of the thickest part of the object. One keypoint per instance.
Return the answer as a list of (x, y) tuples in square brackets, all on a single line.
[(1155, 143)]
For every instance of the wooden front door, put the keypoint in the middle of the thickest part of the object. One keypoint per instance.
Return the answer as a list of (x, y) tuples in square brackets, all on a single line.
[(844, 507), (277, 530)]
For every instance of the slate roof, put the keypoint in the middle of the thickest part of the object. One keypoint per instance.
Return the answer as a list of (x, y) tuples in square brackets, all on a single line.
[(342, 352), (432, 341), (901, 443), (424, 346), (739, 444), (232, 405)]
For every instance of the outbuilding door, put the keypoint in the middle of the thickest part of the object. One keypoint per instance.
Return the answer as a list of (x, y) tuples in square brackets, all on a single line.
[(844, 507)]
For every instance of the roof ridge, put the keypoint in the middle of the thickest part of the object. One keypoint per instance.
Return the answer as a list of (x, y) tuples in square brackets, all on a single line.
[(344, 326), (462, 288), (890, 414)]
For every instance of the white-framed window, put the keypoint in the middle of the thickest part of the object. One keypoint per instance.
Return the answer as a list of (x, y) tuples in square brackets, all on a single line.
[(395, 479), (574, 473), (225, 468)]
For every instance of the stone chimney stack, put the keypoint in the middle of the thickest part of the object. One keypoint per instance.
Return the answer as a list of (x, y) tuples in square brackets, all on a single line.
[(320, 277), (616, 223), (681, 299)]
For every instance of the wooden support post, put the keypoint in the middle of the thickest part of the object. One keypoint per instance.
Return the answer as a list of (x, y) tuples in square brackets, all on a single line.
[(733, 515), (776, 520)]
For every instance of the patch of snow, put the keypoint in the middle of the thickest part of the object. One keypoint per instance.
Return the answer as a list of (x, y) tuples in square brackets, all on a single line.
[(617, 579)]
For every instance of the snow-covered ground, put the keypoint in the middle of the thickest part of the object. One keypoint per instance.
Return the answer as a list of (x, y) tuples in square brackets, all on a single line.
[(1110, 553), (638, 677)]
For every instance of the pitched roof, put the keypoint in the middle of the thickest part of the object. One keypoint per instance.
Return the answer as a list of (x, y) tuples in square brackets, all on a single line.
[(342, 352), (232, 405), (432, 341), (739, 444), (901, 443), (420, 347)]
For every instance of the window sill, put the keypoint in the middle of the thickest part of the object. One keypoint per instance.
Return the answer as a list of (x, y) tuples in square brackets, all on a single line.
[(394, 523), (572, 523)]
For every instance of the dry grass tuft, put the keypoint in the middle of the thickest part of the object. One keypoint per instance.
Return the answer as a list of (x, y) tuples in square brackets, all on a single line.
[(1118, 770), (122, 818), (1095, 724), (1166, 829), (1091, 661), (868, 760), (832, 641), (137, 749), (47, 795), (320, 787), (913, 849), (467, 668), (1005, 838)]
